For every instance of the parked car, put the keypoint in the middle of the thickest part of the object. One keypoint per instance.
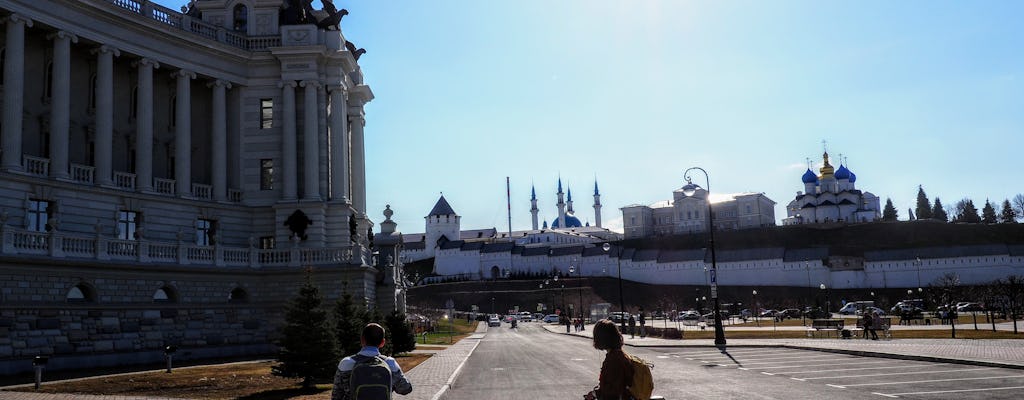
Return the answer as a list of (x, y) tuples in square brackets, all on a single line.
[(970, 307), (551, 318), (790, 313), (689, 315), (870, 310), (525, 316), (769, 313), (817, 313), (618, 316), (493, 321), (855, 307)]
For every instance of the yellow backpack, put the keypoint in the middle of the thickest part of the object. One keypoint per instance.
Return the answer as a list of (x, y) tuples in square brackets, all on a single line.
[(643, 382)]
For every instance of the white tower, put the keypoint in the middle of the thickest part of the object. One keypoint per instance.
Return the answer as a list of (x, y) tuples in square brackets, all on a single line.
[(568, 202), (533, 206), (597, 205), (442, 221), (561, 205)]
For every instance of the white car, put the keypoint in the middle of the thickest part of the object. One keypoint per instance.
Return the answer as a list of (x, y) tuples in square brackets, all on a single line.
[(493, 321), (525, 316), (551, 318)]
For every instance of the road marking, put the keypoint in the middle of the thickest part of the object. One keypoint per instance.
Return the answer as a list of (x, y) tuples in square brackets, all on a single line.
[(938, 380), (792, 357), (742, 369), (798, 379), (953, 391), (722, 365), (663, 356), (886, 395), (836, 386), (899, 373), (497, 369), (788, 361), (578, 359), (688, 358), (820, 365), (844, 369), (767, 373)]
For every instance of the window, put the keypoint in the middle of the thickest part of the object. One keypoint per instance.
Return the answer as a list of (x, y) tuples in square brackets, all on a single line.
[(266, 174), (134, 102), (127, 222), (204, 232), (92, 92), (238, 295), (164, 295), (241, 18), (266, 113), (267, 242), (48, 84), (38, 215), (80, 293)]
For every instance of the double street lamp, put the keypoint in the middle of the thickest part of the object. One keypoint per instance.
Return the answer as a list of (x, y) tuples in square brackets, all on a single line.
[(579, 268), (689, 190)]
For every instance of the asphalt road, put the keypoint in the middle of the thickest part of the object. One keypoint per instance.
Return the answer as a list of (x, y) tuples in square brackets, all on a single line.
[(530, 363)]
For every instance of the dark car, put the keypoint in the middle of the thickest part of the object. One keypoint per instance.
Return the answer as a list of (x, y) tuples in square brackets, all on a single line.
[(790, 313)]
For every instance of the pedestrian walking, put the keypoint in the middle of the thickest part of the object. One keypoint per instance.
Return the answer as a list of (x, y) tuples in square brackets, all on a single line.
[(876, 322), (617, 371), (643, 323), (369, 374), (632, 327), (865, 322)]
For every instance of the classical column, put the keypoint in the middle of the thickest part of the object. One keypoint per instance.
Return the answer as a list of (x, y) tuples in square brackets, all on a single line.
[(14, 91), (219, 142), (358, 161), (288, 142), (144, 126), (338, 122), (104, 114), (60, 103), (310, 148), (183, 132)]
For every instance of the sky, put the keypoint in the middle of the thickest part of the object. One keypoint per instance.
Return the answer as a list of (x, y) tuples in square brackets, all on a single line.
[(632, 93)]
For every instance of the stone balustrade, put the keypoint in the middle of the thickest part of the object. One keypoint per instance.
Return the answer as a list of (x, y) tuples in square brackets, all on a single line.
[(149, 10)]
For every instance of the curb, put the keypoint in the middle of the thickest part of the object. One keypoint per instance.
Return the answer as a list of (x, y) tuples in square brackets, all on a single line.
[(861, 353), (451, 379)]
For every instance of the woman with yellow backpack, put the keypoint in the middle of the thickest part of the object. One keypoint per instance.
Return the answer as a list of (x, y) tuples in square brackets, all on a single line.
[(623, 376)]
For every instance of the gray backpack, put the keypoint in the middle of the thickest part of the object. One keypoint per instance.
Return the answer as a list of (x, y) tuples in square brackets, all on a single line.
[(371, 378)]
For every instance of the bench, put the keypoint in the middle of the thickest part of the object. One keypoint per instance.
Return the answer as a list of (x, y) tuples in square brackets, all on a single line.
[(886, 324), (825, 325)]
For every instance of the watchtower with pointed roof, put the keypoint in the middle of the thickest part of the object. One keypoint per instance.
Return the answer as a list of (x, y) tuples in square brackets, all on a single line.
[(441, 222)]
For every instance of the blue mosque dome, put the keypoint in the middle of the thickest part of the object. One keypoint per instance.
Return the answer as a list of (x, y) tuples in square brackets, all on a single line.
[(842, 172), (570, 222), (810, 177)]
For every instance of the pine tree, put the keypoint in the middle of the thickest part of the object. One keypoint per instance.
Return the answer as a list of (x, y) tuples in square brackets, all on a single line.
[(988, 213), (1009, 216), (402, 338), (938, 212), (348, 325), (307, 342), (967, 212), (924, 208), (889, 212)]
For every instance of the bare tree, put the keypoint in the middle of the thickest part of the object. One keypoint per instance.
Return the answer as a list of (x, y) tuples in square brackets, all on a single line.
[(945, 291), (1011, 290), (1018, 204)]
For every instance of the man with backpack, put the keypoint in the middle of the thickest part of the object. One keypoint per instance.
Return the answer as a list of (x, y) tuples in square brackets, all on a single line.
[(369, 375)]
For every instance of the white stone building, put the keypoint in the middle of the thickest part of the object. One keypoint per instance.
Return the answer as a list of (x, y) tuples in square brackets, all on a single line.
[(831, 196), (688, 214), (182, 164)]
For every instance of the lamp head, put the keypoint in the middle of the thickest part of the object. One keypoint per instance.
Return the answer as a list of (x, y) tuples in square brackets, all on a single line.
[(572, 269), (821, 286), (755, 293), (690, 188), (170, 349), (606, 247)]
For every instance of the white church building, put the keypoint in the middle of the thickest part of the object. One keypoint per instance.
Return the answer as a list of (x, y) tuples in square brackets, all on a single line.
[(831, 196)]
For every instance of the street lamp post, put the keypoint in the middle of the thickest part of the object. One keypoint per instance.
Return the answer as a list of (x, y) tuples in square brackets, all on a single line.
[(579, 269), (690, 189), (807, 302), (754, 312), (622, 302), (828, 306)]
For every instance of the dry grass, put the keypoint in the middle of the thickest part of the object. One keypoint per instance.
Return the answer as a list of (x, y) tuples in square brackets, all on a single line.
[(250, 381)]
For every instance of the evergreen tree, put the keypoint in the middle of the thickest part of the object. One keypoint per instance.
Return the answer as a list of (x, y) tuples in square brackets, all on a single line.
[(889, 212), (403, 340), (348, 325), (988, 213), (924, 208), (307, 342), (1008, 216), (938, 212), (966, 212)]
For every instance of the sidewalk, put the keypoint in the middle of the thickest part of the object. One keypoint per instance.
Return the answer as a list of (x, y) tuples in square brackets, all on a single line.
[(1007, 353), (434, 377)]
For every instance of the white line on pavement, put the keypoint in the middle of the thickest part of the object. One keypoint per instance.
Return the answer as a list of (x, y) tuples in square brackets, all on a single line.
[(953, 391), (767, 373), (898, 373), (798, 379), (802, 356), (821, 365), (843, 369), (937, 380), (886, 395), (837, 360), (836, 386)]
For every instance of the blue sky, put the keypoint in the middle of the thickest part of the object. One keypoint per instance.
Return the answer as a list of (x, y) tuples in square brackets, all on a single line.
[(634, 92)]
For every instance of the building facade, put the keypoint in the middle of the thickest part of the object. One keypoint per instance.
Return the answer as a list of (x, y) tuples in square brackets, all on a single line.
[(831, 196), (172, 177), (687, 213)]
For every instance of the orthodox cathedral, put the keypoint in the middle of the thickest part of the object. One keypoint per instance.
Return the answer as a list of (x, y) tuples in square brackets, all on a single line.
[(831, 196)]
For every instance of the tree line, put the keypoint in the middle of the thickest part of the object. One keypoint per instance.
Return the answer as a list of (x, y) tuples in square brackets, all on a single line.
[(315, 338), (963, 211)]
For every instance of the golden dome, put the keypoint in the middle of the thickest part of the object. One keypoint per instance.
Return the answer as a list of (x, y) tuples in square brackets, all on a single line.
[(826, 170)]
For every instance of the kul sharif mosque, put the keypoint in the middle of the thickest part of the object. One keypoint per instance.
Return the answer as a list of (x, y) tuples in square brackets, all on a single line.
[(831, 196)]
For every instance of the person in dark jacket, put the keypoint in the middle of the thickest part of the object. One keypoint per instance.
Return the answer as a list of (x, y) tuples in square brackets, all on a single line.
[(616, 370)]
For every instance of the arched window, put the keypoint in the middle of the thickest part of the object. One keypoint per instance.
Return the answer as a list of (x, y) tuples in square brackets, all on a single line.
[(165, 294), (241, 18), (238, 295), (81, 293)]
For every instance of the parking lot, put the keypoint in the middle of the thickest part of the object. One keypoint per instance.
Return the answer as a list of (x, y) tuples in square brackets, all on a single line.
[(870, 376)]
